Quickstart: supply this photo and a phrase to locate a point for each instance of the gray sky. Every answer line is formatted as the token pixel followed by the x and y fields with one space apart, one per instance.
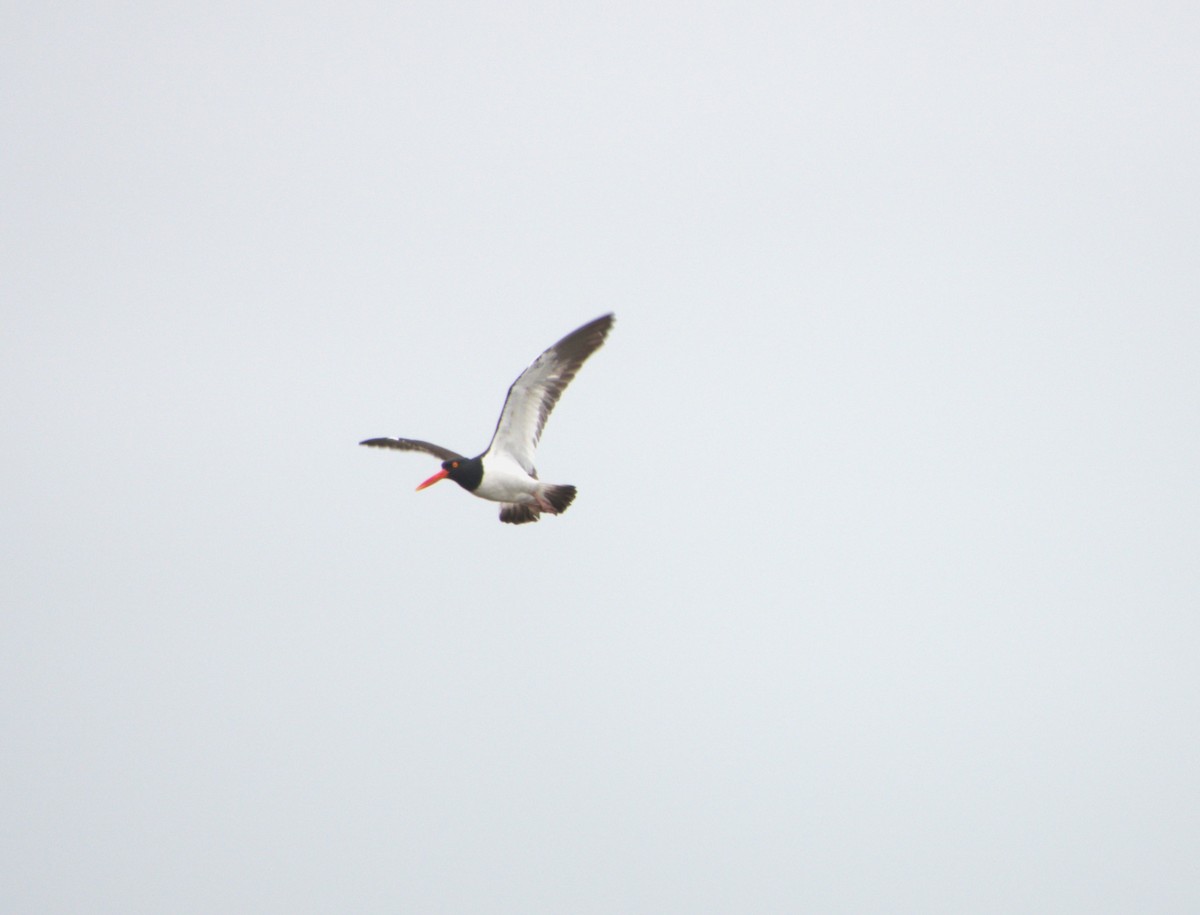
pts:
pixel 880 593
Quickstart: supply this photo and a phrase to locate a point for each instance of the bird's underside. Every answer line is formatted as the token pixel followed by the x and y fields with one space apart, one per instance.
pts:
pixel 553 500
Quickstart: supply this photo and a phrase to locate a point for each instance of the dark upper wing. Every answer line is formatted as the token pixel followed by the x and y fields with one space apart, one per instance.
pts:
pixel 534 394
pixel 411 444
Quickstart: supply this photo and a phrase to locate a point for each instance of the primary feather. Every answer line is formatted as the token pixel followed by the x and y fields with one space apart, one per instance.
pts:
pixel 412 444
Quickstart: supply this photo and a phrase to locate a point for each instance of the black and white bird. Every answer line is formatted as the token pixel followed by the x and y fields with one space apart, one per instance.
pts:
pixel 505 473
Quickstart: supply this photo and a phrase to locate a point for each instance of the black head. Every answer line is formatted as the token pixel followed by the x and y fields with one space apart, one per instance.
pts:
pixel 466 472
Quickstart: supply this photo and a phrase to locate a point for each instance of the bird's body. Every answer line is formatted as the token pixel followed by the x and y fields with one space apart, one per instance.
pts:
pixel 505 481
pixel 505 473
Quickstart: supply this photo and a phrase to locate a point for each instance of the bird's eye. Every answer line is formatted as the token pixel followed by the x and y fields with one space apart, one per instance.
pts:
pixel 454 464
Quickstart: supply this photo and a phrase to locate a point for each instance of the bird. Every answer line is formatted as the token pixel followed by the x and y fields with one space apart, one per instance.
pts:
pixel 504 472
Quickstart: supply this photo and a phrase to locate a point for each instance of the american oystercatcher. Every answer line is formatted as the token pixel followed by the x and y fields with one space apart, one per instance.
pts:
pixel 505 473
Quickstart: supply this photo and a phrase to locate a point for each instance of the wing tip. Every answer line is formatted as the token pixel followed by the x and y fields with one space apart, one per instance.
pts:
pixel 580 343
pixel 604 323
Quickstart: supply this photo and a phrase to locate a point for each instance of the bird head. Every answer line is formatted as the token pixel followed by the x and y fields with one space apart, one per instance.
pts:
pixel 466 472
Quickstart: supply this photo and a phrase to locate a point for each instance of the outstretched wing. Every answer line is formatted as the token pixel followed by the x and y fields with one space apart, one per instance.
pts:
pixel 534 394
pixel 411 444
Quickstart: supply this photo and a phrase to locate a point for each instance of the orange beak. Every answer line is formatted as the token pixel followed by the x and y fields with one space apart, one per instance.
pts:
pixel 440 475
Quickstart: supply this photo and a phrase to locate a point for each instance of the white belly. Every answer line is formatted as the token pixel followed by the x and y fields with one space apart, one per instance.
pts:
pixel 506 481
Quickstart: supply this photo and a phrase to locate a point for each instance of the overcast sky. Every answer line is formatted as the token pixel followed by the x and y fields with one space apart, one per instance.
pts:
pixel 881 590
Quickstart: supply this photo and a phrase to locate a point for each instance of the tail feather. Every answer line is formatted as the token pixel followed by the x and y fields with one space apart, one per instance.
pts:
pixel 551 498
pixel 560 497
pixel 512 513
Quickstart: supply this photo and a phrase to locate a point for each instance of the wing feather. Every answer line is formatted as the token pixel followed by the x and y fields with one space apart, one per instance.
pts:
pixel 533 395
pixel 412 444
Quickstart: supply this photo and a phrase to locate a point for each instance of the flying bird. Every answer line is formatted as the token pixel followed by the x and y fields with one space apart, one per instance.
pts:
pixel 505 473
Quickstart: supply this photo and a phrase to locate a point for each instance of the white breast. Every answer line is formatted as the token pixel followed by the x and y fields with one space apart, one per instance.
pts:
pixel 504 480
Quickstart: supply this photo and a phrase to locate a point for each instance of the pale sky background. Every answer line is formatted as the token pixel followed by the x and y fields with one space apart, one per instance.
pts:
pixel 881 592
